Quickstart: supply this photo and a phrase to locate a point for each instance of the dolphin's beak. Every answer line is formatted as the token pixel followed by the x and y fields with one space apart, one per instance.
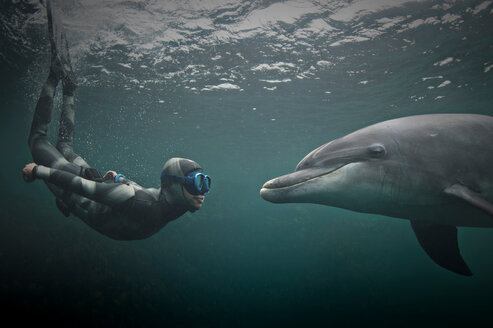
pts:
pixel 280 190
pixel 294 178
pixel 320 162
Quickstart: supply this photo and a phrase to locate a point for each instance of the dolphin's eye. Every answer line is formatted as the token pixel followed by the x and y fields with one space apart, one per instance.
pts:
pixel 376 150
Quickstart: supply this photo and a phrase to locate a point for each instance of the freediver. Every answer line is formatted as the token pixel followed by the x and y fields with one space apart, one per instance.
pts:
pixel 111 204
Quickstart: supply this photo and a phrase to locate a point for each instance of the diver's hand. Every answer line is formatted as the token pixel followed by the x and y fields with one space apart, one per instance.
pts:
pixel 27 172
pixel 110 175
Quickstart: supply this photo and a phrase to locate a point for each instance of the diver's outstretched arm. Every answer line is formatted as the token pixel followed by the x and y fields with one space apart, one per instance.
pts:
pixel 109 194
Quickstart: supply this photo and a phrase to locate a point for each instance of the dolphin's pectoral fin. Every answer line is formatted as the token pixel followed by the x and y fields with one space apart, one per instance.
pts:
pixel 440 243
pixel 470 196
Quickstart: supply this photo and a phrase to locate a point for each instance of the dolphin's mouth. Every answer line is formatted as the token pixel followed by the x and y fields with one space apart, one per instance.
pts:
pixel 299 177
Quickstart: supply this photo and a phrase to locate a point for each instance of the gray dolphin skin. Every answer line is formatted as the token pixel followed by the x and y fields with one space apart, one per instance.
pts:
pixel 434 170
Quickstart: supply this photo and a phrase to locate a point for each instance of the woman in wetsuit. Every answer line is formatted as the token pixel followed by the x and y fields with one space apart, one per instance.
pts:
pixel 113 205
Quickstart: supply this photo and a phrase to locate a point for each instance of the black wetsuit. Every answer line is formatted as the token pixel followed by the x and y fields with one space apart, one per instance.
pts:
pixel 120 210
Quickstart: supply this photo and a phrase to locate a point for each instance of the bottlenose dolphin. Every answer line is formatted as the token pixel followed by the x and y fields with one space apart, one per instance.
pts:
pixel 434 170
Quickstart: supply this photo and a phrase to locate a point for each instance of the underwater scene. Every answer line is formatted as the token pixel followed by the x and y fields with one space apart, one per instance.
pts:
pixel 246 89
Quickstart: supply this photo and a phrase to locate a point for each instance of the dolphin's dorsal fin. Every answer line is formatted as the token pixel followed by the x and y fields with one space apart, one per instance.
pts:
pixel 470 196
pixel 440 243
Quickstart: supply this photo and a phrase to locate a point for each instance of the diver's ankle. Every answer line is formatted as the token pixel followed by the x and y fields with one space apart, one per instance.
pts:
pixel 69 85
pixel 53 78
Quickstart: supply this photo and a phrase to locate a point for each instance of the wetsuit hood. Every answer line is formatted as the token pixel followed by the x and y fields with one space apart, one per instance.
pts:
pixel 173 191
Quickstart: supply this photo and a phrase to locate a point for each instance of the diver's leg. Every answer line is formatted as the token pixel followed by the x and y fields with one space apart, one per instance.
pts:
pixel 42 113
pixel 67 117
pixel 41 149
pixel 66 132
pixel 44 107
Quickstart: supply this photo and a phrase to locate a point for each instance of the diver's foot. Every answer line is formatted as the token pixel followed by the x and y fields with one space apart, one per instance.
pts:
pixel 69 80
pixel 56 68
pixel 69 85
pixel 61 66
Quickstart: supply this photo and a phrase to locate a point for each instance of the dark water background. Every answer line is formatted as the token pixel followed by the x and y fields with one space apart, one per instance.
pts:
pixel 246 90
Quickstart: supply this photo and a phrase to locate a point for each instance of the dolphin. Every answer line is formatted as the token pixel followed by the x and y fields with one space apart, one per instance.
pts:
pixel 434 170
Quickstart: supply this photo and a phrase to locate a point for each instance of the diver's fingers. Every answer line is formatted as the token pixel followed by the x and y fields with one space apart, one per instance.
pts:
pixel 109 175
pixel 27 172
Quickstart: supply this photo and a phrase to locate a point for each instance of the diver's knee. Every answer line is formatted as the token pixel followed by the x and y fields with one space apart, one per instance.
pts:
pixel 66 150
pixel 63 148
pixel 35 140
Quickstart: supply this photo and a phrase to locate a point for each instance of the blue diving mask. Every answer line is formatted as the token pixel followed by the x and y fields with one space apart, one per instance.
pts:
pixel 196 182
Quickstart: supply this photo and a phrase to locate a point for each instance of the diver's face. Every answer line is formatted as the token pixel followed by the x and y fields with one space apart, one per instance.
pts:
pixel 194 201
